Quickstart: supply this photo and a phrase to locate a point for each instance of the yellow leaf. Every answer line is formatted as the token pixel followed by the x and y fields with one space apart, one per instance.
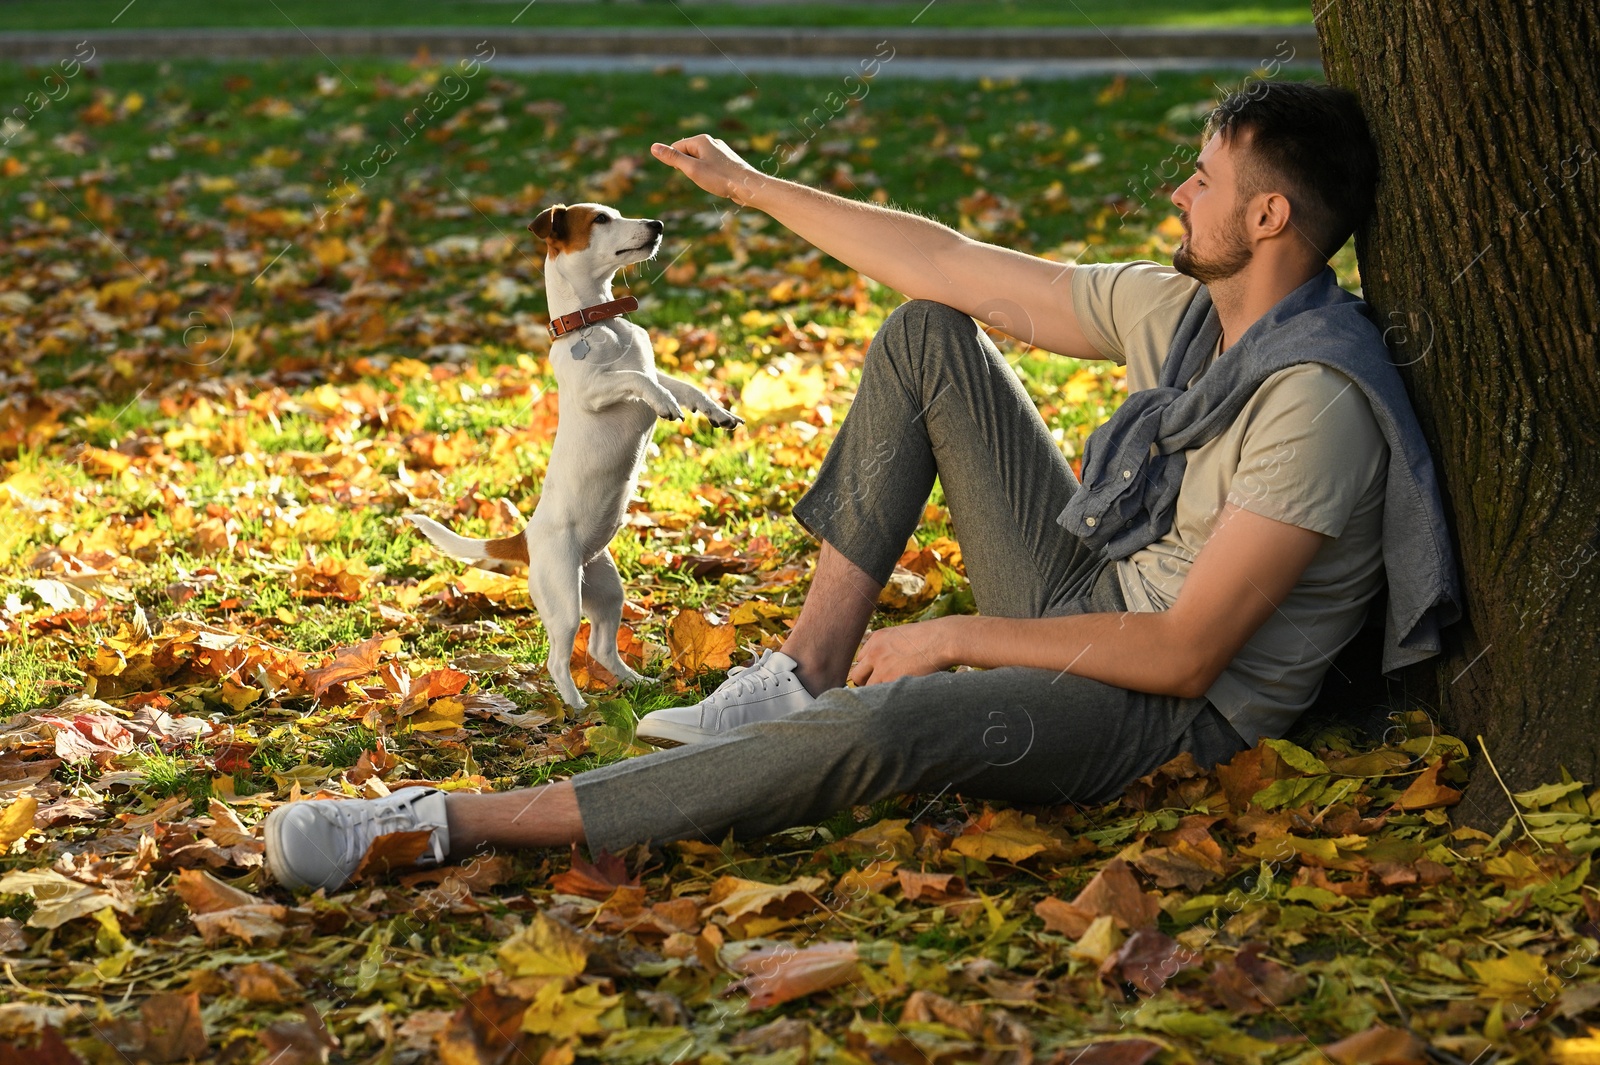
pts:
pixel 543 948
pixel 440 715
pixel 771 393
pixel 1517 977
pixel 1008 835
pixel 737 897
pixel 17 820
pixel 697 644
pixel 555 1013
pixel 1584 1051
pixel 1099 941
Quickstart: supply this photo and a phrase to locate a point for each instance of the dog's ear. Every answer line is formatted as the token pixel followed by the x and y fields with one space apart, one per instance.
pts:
pixel 551 225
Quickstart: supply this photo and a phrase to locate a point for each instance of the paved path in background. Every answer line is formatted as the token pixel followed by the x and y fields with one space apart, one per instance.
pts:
pixel 994 52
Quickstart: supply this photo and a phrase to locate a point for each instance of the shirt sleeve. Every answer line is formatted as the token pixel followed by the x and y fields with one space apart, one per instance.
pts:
pixel 1311 450
pixel 1130 309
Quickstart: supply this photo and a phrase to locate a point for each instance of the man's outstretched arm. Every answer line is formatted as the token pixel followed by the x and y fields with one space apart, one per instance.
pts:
pixel 1023 295
pixel 1245 570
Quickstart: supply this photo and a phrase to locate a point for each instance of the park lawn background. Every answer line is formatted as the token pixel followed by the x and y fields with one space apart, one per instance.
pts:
pixel 252 313
pixel 155 14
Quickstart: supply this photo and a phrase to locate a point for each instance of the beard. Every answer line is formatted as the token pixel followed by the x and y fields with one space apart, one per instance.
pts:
pixel 1232 254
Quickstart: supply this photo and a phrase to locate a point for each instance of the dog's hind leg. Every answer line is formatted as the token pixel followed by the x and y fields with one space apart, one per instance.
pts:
pixel 555 583
pixel 602 602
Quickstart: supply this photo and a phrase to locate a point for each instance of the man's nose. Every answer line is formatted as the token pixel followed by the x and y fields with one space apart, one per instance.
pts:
pixel 655 226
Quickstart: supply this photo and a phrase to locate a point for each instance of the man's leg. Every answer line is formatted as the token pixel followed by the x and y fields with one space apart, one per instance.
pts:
pixel 936 399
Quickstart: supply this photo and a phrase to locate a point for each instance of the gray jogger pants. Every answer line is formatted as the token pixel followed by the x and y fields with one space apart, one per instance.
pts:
pixel 936 399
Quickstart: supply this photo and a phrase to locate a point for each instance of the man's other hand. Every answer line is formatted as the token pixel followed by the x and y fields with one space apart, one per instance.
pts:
pixel 912 650
pixel 713 166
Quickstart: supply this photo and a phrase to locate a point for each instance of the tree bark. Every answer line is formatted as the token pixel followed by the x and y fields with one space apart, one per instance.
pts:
pixel 1482 260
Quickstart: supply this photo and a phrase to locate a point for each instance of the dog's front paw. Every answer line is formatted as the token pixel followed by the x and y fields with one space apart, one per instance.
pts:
pixel 723 418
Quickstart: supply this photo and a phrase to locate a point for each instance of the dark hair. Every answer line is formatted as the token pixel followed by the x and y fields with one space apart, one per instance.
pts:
pixel 1312 142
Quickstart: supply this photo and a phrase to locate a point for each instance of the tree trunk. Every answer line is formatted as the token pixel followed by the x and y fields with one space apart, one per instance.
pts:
pixel 1482 260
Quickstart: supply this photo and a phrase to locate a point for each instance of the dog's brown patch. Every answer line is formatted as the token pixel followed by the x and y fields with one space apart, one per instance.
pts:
pixel 564 229
pixel 508 549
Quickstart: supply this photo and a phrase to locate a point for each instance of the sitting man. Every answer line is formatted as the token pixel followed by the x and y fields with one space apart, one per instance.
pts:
pixel 1237 515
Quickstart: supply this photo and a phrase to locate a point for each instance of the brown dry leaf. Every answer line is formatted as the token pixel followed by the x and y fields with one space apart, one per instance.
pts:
pixel 1061 916
pixel 1113 892
pixel 260 924
pixel 264 981
pixel 486 1030
pixel 784 973
pixel 1248 983
pixel 304 1042
pixel 933 887
pixel 593 881
pixel 696 644
pixel 171 1027
pixel 204 893
pixel 1148 960
pixel 924 1007
pixel 1378 1046
pixel 352 663
pixel 1426 793
pixel 393 851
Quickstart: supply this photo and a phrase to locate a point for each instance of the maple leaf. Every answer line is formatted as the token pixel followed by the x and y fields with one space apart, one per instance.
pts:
pixel 1426 793
pixel 352 663
pixel 1009 835
pixel 696 644
pixel 737 897
pixel 598 880
pixel 544 948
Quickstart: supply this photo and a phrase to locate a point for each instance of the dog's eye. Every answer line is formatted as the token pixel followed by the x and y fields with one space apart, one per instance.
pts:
pixel 599 218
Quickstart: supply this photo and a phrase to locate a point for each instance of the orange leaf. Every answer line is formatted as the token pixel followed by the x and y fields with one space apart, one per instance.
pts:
pixel 204 893
pixel 351 663
pixel 393 850
pixel 935 887
pixel 596 881
pixel 697 644
pixel 1426 793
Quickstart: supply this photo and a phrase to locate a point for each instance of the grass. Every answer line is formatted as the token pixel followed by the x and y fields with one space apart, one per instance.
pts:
pixel 953 14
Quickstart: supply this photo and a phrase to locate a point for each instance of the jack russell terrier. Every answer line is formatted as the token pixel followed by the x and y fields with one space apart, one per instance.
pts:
pixel 611 396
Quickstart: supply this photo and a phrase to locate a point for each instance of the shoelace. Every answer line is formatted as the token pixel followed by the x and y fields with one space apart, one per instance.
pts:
pixel 749 678
pixel 380 823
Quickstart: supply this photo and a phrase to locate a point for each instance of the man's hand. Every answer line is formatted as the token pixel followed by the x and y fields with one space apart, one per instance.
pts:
pixel 912 650
pixel 713 166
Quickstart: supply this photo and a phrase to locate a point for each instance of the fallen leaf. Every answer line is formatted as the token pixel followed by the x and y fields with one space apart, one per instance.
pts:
pixel 1426 793
pixel 784 973
pixel 1378 1046
pixel 17 820
pixel 696 644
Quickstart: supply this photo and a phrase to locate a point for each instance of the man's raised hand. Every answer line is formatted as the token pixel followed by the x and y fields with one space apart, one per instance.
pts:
pixel 712 165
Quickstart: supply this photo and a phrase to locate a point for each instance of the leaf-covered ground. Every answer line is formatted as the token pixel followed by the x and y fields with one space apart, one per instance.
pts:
pixel 247 321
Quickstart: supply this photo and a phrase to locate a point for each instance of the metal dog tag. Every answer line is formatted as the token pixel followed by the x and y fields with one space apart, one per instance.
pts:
pixel 580 348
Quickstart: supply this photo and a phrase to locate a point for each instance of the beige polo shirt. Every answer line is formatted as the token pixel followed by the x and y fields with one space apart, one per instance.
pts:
pixel 1306 450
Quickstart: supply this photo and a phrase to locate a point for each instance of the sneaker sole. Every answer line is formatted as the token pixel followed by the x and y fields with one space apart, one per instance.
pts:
pixel 665 734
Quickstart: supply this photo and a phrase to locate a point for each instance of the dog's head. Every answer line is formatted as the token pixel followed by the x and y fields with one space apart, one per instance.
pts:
pixel 596 236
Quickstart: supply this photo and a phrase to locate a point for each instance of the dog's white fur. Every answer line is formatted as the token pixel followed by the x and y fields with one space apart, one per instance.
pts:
pixel 610 400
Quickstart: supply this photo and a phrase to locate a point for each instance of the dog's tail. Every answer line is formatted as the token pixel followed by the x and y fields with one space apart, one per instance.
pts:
pixel 506 549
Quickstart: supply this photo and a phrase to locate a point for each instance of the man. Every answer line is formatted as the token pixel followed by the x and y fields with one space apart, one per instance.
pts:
pixel 1236 519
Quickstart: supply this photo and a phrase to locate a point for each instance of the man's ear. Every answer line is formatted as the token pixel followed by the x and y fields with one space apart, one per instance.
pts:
pixel 551 225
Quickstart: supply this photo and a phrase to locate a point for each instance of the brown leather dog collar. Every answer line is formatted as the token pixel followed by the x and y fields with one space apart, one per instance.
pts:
pixel 589 315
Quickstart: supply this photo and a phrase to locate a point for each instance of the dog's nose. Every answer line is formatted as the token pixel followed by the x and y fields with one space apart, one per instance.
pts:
pixel 655 226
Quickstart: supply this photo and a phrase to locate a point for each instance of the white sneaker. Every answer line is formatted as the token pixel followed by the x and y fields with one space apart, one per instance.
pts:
pixel 319 843
pixel 765 690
